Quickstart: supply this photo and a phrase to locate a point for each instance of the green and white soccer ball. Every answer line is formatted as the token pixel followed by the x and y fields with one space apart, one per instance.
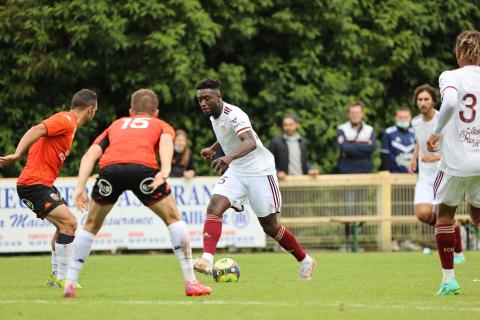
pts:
pixel 226 270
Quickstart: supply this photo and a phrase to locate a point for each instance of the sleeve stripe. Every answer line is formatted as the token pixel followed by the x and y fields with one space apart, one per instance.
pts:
pixel 448 87
pixel 46 128
pixel 243 129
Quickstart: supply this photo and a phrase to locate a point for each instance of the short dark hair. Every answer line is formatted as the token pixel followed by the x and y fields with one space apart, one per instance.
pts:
pixel 144 100
pixel 84 98
pixel 291 116
pixel 403 109
pixel 208 84
pixel 428 88
pixel 354 104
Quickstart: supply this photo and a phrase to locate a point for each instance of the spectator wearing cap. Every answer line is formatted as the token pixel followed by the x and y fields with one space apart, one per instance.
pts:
pixel 290 150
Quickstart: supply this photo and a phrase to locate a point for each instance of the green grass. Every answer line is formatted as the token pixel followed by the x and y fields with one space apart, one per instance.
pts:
pixel 345 286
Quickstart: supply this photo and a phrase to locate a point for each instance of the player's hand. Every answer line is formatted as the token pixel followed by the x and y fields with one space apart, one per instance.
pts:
pixel 8 160
pixel 313 173
pixel 430 157
pixel 432 142
pixel 412 166
pixel 80 199
pixel 221 164
pixel 207 153
pixel 281 174
pixel 158 180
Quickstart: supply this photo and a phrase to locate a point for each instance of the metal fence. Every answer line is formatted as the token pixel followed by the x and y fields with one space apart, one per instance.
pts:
pixel 329 210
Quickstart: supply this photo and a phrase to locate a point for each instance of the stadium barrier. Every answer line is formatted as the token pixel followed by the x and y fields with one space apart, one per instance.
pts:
pixel 367 210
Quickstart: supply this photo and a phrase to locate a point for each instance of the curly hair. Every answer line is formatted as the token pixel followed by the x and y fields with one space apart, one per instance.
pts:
pixel 208 84
pixel 468 46
pixel 426 88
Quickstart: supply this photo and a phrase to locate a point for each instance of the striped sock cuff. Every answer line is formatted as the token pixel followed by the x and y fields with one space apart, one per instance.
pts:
pixel 444 228
pixel 213 217
pixel 280 233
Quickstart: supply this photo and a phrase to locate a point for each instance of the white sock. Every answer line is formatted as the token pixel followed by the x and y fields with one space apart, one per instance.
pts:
pixel 63 254
pixel 82 247
pixel 208 256
pixel 448 275
pixel 182 249
pixel 54 263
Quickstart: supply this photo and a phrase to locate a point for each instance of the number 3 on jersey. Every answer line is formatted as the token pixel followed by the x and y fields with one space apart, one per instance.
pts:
pixel 135 123
pixel 470 101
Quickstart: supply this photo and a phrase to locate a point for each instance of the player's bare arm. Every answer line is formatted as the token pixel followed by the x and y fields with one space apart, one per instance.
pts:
pixel 209 152
pixel 430 157
pixel 30 137
pixel 247 145
pixel 166 155
pixel 87 163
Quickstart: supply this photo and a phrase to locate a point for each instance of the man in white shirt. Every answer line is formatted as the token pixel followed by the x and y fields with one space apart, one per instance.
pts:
pixel 458 131
pixel 426 98
pixel 248 173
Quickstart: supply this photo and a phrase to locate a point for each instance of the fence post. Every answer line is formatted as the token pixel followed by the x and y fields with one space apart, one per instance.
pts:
pixel 384 205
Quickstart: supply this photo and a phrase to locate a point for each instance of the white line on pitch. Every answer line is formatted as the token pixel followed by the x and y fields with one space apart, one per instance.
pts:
pixel 258 303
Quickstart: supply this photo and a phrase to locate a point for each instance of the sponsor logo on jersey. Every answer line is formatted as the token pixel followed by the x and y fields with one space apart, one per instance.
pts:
pixel 29 204
pixel 47 205
pixel 145 185
pixel 104 187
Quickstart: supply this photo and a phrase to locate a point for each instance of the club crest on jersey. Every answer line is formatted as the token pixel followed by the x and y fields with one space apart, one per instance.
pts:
pixel 224 129
pixel 54 196
pixel 145 186
pixel 104 187
pixel 29 204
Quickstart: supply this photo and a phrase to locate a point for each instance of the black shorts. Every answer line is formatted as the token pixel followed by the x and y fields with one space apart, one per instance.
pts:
pixel 114 179
pixel 40 198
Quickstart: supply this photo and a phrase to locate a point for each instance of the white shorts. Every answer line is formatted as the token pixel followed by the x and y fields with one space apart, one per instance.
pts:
pixel 451 190
pixel 262 192
pixel 423 192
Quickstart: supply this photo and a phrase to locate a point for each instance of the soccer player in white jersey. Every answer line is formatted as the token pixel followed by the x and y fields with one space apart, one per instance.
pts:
pixel 248 172
pixel 426 98
pixel 457 133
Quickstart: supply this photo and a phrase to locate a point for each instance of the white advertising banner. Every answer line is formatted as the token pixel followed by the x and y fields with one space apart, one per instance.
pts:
pixel 129 225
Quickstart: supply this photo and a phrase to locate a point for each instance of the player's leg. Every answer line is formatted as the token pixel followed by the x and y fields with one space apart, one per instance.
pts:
pixel 52 278
pixel 83 244
pixel 66 224
pixel 449 192
pixel 228 191
pixel 266 201
pixel 167 210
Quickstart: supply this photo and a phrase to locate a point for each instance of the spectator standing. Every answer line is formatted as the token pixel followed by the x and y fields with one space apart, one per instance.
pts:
pixel 356 141
pixel 290 150
pixel 398 143
pixel 183 164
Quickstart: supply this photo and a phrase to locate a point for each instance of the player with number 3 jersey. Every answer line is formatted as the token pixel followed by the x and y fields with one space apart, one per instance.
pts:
pixel 458 133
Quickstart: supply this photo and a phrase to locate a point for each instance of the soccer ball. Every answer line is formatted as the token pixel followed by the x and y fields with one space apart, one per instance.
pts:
pixel 226 270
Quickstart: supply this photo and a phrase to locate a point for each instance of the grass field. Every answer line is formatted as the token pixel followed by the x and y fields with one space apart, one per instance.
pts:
pixel 345 286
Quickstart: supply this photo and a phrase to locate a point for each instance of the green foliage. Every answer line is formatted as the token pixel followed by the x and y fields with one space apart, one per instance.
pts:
pixel 306 57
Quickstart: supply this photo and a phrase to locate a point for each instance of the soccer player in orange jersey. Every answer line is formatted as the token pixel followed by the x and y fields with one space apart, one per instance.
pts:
pixel 48 144
pixel 127 152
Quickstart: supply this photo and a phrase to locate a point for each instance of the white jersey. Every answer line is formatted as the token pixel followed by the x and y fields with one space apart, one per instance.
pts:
pixel 423 130
pixel 460 141
pixel 232 122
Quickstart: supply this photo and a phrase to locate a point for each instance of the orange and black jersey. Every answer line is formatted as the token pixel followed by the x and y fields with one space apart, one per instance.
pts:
pixel 133 140
pixel 45 157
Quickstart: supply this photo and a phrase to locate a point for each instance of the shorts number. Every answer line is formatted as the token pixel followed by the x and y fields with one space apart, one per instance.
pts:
pixel 222 180
pixel 135 123
pixel 471 106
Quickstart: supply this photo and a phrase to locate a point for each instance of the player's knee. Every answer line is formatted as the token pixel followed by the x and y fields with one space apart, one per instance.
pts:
pixel 423 216
pixel 214 209
pixel 69 226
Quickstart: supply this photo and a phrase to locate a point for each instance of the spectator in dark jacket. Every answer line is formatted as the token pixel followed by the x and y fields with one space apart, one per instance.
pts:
pixel 290 150
pixel 182 162
pixel 356 141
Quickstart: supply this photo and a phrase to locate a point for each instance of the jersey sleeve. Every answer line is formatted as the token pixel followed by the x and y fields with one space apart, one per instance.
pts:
pixel 447 80
pixel 240 122
pixel 59 124
pixel 167 128
pixel 102 140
